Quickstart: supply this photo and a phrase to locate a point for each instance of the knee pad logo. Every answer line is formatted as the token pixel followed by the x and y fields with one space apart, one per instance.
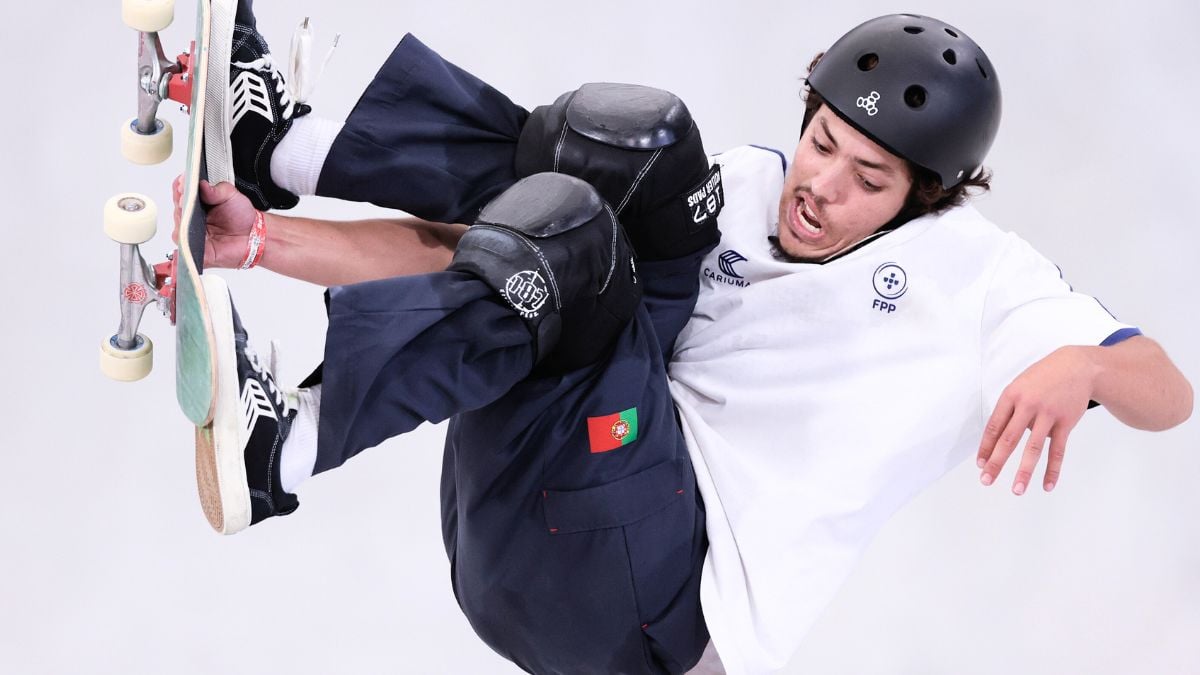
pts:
pixel 526 292
pixel 705 200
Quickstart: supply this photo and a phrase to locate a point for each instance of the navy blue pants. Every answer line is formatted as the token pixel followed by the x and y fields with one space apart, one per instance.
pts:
pixel 566 557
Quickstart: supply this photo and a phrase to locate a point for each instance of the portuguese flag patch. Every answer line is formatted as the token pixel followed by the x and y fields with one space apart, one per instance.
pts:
pixel 612 431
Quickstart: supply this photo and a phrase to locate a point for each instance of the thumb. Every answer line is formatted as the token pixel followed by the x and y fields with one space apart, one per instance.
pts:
pixel 215 195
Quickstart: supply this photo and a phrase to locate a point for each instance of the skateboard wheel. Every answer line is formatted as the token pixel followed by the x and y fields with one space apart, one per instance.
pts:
pixel 152 148
pixel 148 16
pixel 130 218
pixel 126 365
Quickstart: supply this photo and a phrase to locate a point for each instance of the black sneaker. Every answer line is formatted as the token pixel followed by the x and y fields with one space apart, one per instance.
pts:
pixel 237 462
pixel 261 109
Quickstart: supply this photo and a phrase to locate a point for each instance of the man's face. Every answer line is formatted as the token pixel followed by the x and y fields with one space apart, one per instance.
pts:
pixel 840 188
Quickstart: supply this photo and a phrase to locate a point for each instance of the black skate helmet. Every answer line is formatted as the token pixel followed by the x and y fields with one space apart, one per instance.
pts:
pixel 918 87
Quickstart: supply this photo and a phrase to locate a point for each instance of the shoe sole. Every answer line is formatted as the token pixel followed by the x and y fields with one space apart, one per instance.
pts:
pixel 218 147
pixel 220 447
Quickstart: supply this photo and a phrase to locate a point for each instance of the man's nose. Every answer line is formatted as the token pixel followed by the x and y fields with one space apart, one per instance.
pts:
pixel 826 185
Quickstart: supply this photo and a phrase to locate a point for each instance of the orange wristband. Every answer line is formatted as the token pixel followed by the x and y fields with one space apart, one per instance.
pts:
pixel 256 243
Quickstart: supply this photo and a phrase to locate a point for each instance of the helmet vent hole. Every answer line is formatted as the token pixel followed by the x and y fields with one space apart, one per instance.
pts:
pixel 915 97
pixel 981 70
pixel 914 30
pixel 951 33
pixel 950 56
pixel 867 62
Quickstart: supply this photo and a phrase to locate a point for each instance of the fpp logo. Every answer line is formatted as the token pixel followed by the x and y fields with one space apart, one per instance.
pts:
pixel 891 282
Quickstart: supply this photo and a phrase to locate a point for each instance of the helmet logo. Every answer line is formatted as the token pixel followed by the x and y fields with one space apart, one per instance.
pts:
pixel 868 103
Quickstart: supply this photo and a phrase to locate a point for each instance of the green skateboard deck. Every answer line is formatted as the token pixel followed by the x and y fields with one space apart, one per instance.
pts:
pixel 195 369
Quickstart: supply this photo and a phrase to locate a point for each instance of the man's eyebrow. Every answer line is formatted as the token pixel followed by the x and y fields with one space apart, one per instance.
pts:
pixel 858 160
pixel 872 165
pixel 825 126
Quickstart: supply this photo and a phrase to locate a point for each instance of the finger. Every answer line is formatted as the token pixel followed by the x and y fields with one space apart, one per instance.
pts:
pixel 993 429
pixel 1033 452
pixel 1020 421
pixel 215 195
pixel 1058 450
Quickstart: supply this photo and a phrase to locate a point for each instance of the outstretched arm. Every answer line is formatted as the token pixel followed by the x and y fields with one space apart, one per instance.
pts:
pixel 1139 384
pixel 322 252
pixel 1134 379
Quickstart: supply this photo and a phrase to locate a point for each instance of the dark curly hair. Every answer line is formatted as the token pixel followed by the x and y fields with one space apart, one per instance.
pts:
pixel 927 194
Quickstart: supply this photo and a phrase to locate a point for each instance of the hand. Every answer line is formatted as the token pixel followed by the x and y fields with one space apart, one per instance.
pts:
pixel 228 225
pixel 1048 399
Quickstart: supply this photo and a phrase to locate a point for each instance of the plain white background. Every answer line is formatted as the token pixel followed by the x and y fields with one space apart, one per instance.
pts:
pixel 107 565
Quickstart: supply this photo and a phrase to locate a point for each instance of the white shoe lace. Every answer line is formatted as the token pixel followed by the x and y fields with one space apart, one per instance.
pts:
pixel 303 81
pixel 265 376
pixel 266 64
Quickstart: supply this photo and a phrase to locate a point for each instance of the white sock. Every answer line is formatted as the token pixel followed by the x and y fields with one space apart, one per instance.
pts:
pixel 297 161
pixel 299 453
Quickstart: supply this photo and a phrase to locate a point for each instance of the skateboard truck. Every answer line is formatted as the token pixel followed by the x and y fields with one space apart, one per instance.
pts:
pixel 146 139
pixel 160 79
pixel 130 220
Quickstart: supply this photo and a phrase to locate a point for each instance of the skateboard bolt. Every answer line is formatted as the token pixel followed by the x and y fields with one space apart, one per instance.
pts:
pixel 131 204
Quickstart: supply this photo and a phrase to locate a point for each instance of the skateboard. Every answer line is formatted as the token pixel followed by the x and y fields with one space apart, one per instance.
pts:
pixel 176 286
pixel 179 287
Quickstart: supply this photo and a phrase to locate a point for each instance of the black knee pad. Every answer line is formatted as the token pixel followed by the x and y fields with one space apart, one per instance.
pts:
pixel 639 147
pixel 554 251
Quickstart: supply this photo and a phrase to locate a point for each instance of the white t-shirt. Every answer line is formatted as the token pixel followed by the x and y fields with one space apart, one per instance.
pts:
pixel 818 399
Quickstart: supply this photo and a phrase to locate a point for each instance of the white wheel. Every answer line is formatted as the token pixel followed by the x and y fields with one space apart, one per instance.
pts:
pixel 152 148
pixel 148 16
pixel 126 365
pixel 130 218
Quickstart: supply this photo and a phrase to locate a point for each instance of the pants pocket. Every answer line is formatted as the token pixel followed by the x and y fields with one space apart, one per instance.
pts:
pixel 622 502
pixel 662 529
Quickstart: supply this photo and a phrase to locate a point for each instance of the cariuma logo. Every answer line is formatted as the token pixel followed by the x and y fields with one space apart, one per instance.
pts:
pixel 728 274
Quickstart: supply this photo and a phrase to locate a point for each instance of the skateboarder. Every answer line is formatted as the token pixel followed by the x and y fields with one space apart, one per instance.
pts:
pixel 782 359
pixel 570 512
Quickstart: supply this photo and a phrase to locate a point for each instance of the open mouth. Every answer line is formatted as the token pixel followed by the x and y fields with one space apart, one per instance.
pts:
pixel 804 223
